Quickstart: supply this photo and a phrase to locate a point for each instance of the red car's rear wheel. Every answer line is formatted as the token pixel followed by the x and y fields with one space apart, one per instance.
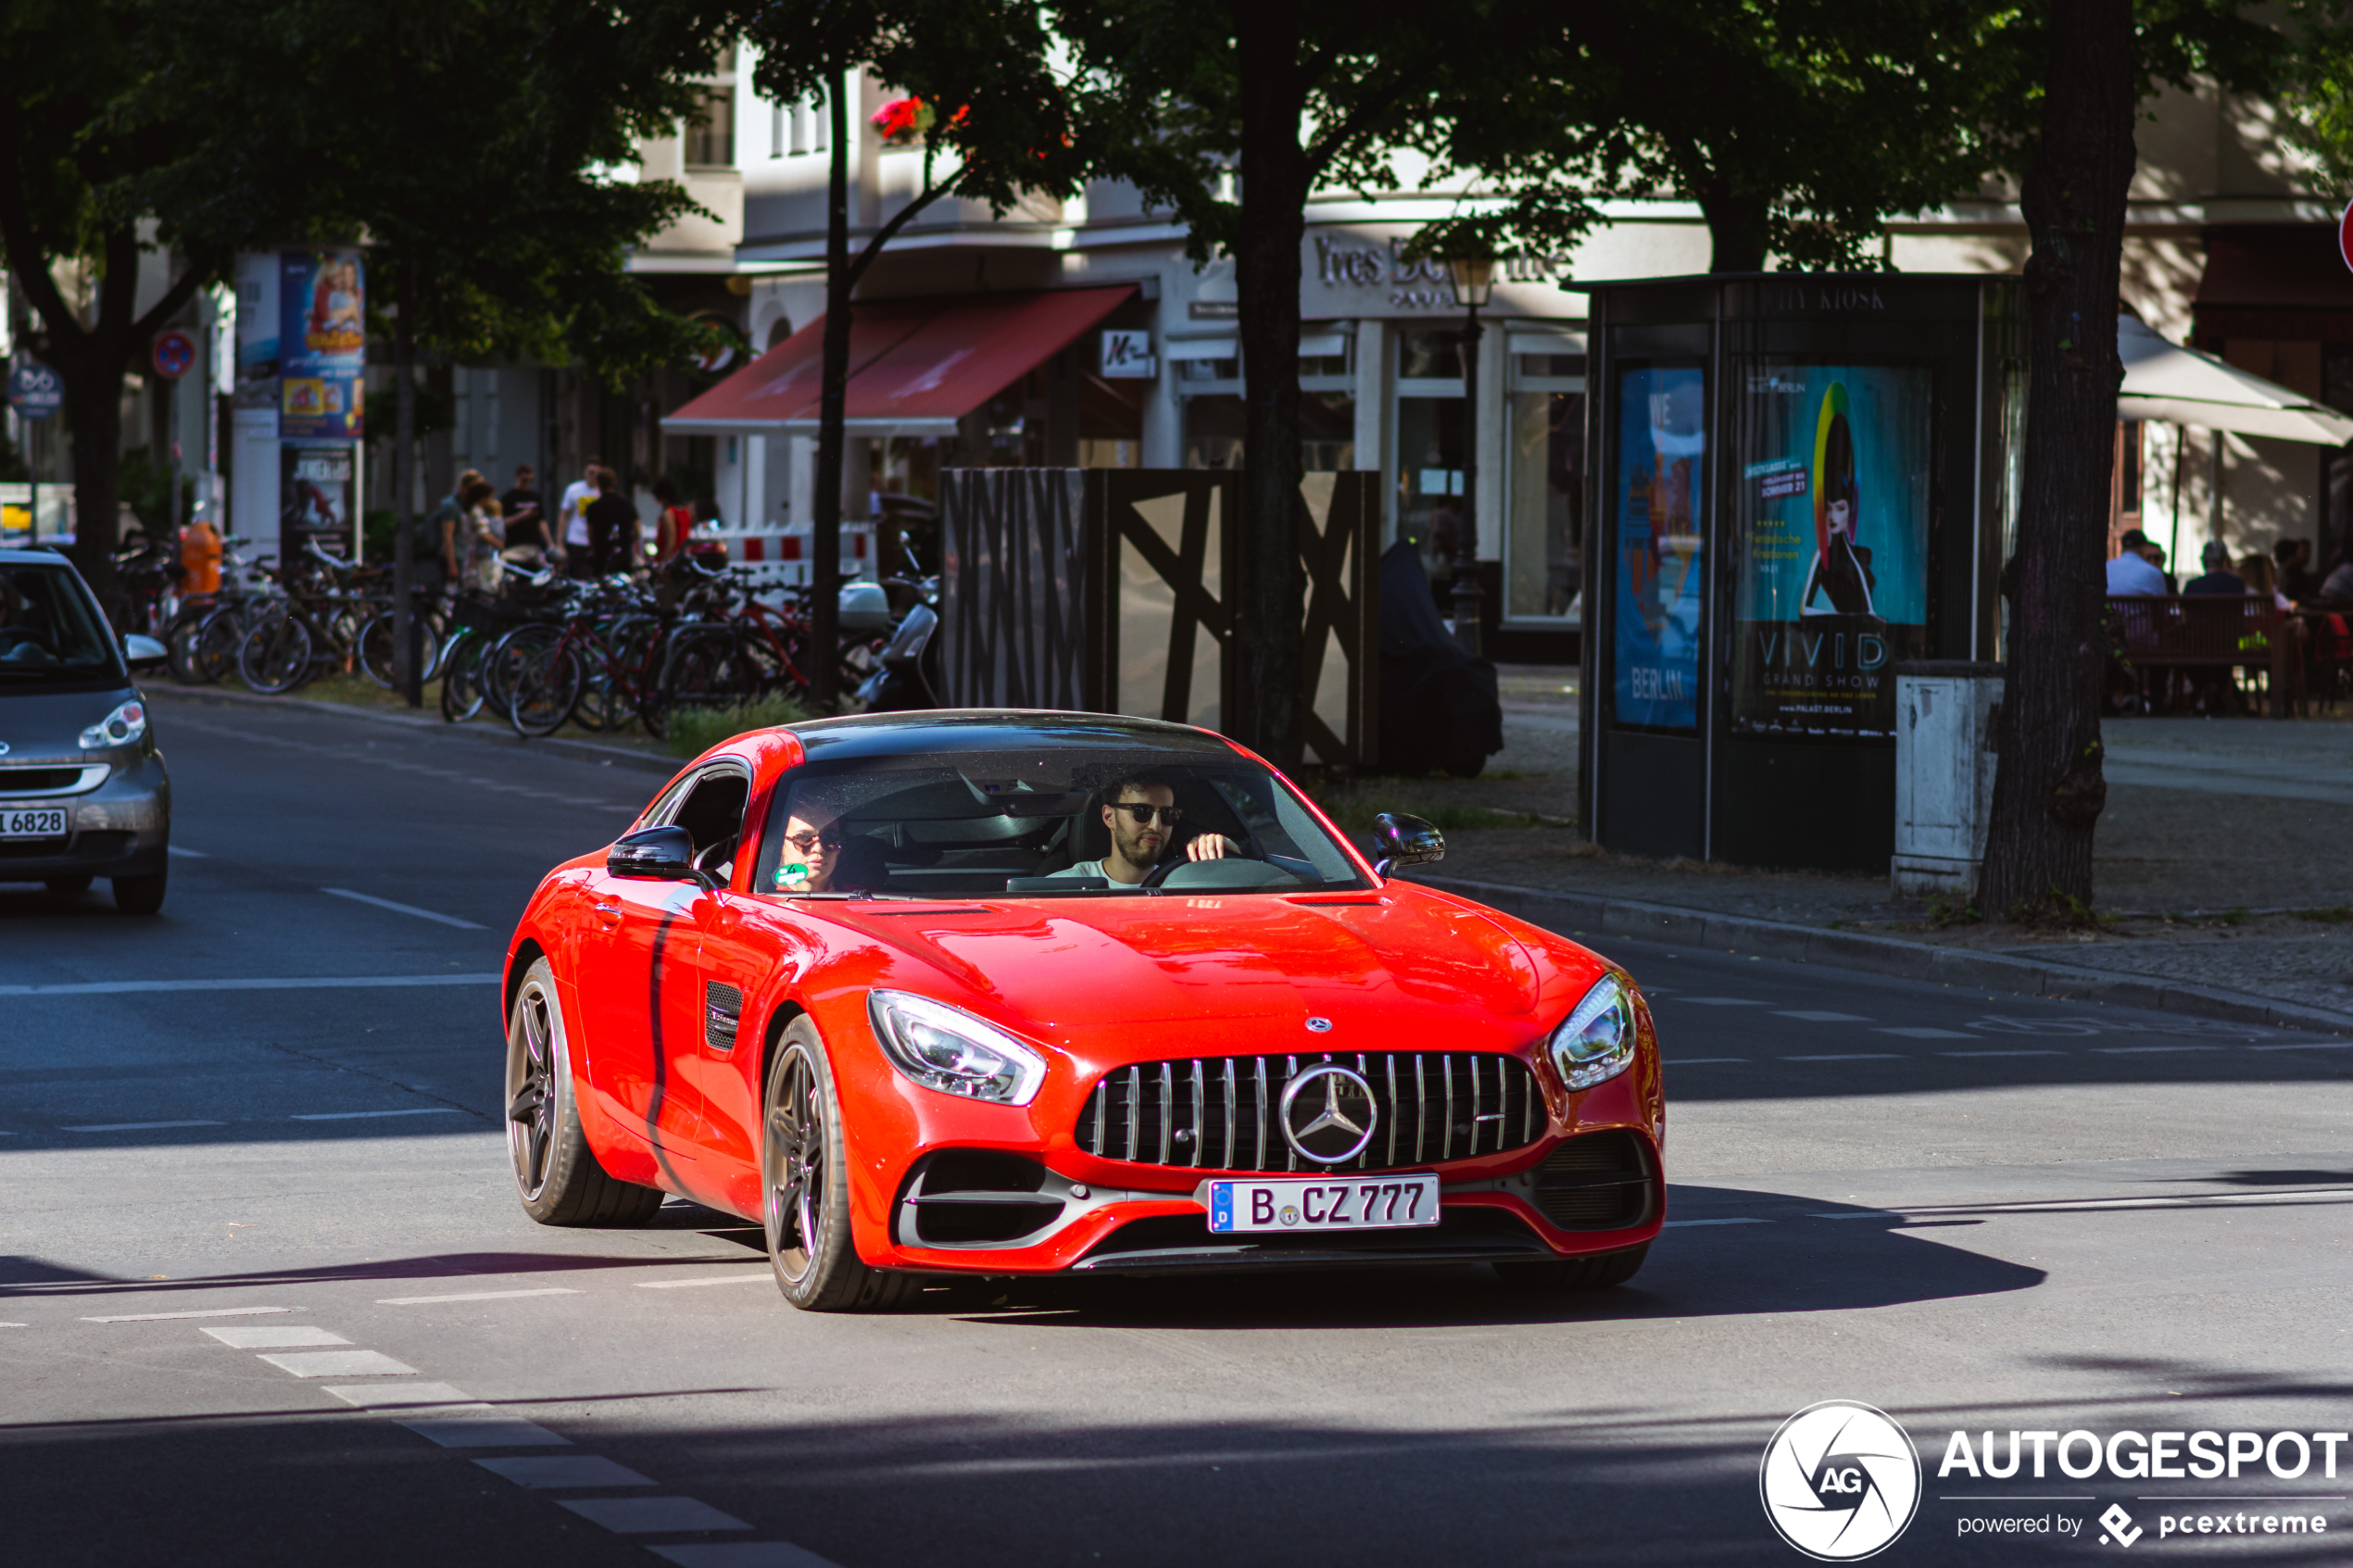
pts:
pixel 804 1187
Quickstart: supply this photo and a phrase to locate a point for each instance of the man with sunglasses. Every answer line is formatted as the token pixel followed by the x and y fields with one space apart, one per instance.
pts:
pixel 1143 816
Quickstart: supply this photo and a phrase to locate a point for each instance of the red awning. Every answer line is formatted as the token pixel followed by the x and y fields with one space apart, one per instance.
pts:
pixel 917 366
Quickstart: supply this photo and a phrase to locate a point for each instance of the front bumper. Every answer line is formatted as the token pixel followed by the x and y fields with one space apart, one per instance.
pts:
pixel 121 828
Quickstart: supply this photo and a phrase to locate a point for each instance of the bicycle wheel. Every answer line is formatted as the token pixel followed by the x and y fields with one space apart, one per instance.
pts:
pixel 462 694
pixel 495 672
pixel 274 658
pixel 547 688
pixel 376 650
pixel 180 641
pixel 217 642
pixel 707 669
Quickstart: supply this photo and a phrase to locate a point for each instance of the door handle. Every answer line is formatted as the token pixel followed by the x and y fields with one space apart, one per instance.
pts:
pixel 607 915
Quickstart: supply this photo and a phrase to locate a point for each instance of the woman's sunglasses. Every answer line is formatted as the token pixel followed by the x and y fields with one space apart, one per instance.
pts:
pixel 1142 815
pixel 805 842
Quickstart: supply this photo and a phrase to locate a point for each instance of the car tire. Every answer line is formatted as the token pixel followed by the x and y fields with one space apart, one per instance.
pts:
pixel 1599 1273
pixel 557 1175
pixel 140 895
pixel 804 1187
pixel 69 886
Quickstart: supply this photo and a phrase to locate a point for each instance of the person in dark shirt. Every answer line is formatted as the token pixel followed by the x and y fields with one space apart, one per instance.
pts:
pixel 2293 560
pixel 526 524
pixel 2219 578
pixel 613 526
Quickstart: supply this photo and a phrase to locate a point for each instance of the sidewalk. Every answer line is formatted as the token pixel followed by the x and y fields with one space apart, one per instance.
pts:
pixel 2224 872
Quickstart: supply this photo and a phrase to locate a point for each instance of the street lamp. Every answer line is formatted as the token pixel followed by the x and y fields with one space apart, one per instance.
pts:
pixel 1474 281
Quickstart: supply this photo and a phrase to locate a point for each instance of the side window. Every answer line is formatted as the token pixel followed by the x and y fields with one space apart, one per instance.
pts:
pixel 712 811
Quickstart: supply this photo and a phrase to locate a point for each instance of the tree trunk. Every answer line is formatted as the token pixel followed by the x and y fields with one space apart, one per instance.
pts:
pixel 404 673
pixel 94 403
pixel 1736 230
pixel 825 518
pixel 2048 790
pixel 1275 178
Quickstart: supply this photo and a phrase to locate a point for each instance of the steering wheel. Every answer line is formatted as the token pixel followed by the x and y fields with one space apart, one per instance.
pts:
pixel 1159 874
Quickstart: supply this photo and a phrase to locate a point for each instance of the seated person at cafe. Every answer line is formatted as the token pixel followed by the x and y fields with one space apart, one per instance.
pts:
pixel 2219 578
pixel 2338 588
pixel 2132 571
pixel 1142 815
pixel 2293 559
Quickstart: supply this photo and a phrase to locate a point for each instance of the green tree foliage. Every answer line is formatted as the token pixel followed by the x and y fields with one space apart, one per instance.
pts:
pixel 2318 94
pixel 996 122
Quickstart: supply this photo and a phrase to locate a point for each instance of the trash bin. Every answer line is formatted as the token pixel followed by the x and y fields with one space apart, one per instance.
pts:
pixel 1944 774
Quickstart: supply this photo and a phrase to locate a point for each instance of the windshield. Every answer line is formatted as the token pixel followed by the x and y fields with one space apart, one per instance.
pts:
pixel 47 625
pixel 1040 824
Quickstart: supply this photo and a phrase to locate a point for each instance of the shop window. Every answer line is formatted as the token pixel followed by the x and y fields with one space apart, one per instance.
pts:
pixel 1209 370
pixel 1213 432
pixel 1539 366
pixel 1429 481
pixel 1544 526
pixel 1430 354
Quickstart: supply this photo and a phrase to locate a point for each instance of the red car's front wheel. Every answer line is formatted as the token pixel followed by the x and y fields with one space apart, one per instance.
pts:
pixel 804 1187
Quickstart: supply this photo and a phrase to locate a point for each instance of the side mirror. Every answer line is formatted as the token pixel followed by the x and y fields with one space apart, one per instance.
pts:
pixel 144 653
pixel 1401 840
pixel 656 855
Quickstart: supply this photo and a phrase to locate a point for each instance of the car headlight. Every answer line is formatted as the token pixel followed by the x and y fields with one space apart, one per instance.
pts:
pixel 1596 1040
pixel 948 1049
pixel 121 727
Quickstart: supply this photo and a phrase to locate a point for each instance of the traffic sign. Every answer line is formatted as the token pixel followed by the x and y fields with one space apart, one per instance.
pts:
pixel 35 391
pixel 174 354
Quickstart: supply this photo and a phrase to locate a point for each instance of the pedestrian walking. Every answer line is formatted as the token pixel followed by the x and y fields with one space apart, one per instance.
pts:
pixel 572 522
pixel 612 524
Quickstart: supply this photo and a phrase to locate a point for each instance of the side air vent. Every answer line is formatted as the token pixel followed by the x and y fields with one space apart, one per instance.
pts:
pixel 722 1009
pixel 1599 1182
pixel 975 1198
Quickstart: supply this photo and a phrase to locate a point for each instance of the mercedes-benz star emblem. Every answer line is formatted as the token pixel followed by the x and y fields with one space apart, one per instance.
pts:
pixel 1314 1025
pixel 1328 1115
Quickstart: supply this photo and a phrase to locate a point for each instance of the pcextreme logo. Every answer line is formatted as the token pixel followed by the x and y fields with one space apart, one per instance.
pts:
pixel 1840 1481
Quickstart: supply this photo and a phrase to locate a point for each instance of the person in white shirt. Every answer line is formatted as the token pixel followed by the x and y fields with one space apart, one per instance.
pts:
pixel 1143 817
pixel 2132 571
pixel 571 519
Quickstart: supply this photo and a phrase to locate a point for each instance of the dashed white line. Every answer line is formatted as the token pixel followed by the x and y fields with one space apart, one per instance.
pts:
pixel 1825 1017
pixel 340 1363
pixel 2001 1053
pixel 191 853
pixel 479 1426
pixel 651 1516
pixel 360 1115
pixel 1701 1061
pixel 1917 1033
pixel 403 908
pixel 2149 1050
pixel 1671 1223
pixel 135 1126
pixel 403 1396
pixel 198 1312
pixel 473 1296
pixel 278 1336
pixel 334 983
pixel 541 1473
pixel 740 1554
pixel 2311 1045
pixel 1848 1056
pixel 1721 1001
pixel 690 1284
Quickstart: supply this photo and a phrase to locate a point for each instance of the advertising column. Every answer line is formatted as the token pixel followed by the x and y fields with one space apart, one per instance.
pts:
pixel 322 362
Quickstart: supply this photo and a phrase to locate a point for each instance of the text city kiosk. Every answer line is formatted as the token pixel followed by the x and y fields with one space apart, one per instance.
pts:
pixel 1805 479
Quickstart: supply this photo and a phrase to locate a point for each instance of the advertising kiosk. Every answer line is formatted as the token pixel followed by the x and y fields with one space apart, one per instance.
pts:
pixel 1802 480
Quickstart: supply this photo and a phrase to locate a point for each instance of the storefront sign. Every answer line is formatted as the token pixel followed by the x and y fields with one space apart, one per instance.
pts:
pixel 1128 354
pixel 1833 547
pixel 1348 273
pixel 1661 524
pixel 323 345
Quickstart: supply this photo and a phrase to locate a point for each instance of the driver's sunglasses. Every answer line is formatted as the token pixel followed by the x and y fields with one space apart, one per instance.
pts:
pixel 805 842
pixel 1142 815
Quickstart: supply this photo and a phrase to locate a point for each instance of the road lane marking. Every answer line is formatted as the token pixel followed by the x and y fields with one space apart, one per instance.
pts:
pixel 651 1516
pixel 481 1427
pixel 357 1115
pixel 1917 1033
pixel 2001 1053
pixel 403 908
pixel 1739 1221
pixel 192 854
pixel 1849 1055
pixel 402 1396
pixel 690 1284
pixel 741 1554
pixel 340 1363
pixel 471 1296
pixel 321 982
pixel 199 1312
pixel 1701 1060
pixel 1720 1001
pixel 2148 1050
pixel 1825 1017
pixel 276 1337
pixel 136 1126
pixel 541 1473
pixel 2314 1045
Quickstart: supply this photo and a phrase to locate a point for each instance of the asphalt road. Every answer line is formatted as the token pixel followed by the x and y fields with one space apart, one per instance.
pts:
pixel 1975 1213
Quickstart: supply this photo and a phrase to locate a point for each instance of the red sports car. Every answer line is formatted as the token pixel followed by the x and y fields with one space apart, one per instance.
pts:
pixel 1033 993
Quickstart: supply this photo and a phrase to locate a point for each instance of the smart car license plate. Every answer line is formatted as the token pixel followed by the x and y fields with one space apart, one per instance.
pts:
pixel 1369 1203
pixel 32 822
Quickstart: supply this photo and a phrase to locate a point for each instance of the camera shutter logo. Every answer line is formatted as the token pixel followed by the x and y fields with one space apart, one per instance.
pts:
pixel 1840 1481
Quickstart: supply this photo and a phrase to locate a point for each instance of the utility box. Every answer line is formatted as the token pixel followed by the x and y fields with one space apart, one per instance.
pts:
pixel 1943 775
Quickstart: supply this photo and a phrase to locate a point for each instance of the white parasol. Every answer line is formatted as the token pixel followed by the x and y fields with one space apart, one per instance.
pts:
pixel 2164 380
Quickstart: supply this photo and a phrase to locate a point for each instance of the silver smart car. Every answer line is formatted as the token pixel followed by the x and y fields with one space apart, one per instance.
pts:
pixel 83 793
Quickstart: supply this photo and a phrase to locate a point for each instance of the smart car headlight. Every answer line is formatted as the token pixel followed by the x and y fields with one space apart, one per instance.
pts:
pixel 121 727
pixel 1596 1040
pixel 948 1049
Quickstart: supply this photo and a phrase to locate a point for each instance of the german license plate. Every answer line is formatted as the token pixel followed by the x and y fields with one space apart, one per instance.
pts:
pixel 32 822
pixel 1367 1203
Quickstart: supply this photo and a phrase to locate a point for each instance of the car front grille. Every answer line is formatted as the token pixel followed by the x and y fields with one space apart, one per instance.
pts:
pixel 1221 1113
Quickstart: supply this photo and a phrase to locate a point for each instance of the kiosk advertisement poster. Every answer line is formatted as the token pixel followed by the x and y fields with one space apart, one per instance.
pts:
pixel 322 346
pixel 1661 495
pixel 317 497
pixel 1833 520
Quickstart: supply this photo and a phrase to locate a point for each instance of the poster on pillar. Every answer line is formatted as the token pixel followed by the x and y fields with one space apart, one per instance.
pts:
pixel 317 494
pixel 1832 524
pixel 322 346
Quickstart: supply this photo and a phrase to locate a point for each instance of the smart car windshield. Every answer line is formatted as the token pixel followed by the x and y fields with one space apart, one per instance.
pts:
pixel 1045 823
pixel 48 626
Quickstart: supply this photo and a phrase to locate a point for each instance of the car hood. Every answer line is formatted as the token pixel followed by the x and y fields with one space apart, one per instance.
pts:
pixel 1070 968
pixel 45 724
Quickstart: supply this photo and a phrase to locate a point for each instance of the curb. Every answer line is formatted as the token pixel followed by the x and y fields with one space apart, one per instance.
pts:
pixel 576 750
pixel 1886 955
